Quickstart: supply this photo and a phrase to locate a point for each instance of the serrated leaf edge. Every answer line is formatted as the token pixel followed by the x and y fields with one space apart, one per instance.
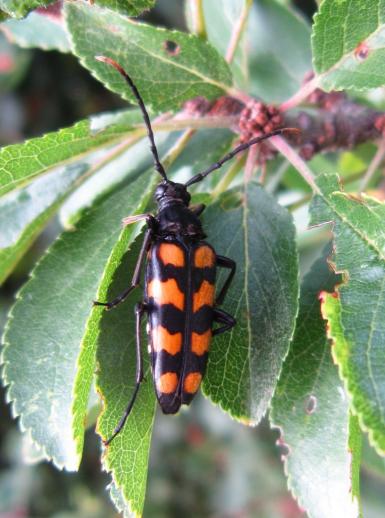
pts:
pixel 342 371
pixel 9 384
pixel 330 85
pixel 127 95
pixel 14 184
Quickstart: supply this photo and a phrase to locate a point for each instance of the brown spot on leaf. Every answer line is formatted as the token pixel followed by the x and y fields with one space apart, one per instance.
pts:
pixel 171 47
pixel 310 404
pixel 361 51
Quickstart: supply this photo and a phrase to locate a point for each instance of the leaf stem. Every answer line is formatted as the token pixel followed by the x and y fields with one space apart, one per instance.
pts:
pixel 250 163
pixel 238 31
pixel 176 124
pixel 293 157
pixel 301 95
pixel 198 19
pixel 373 166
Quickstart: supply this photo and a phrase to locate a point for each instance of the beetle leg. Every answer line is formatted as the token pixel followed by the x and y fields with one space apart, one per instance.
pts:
pixel 224 318
pixel 140 310
pixel 225 262
pixel 135 278
pixel 134 219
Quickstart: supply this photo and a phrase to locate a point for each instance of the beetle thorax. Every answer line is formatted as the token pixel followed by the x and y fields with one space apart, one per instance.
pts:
pixel 174 216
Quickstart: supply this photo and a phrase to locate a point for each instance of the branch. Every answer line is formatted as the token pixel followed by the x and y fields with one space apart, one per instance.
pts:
pixel 198 19
pixel 300 96
pixel 293 157
pixel 373 166
pixel 238 31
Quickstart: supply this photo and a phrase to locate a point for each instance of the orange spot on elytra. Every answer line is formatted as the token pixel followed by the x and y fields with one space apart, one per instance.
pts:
pixel 167 383
pixel 166 292
pixel 204 296
pixel 171 254
pixel 204 257
pixel 200 343
pixel 192 382
pixel 162 339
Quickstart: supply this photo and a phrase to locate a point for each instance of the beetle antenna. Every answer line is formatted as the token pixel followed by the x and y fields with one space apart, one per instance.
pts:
pixel 158 166
pixel 198 177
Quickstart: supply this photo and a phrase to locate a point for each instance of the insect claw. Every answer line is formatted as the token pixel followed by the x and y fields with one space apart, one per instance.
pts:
pixel 107 305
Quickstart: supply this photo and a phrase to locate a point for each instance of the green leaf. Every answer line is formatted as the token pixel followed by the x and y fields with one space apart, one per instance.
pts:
pixel 164 78
pixel 358 227
pixel 49 363
pixel 19 8
pixel 25 212
pixel 320 438
pixel 128 7
pixel 279 48
pixel 20 163
pixel 113 172
pixel 348 44
pixel 127 455
pixel 247 225
pixel 38 30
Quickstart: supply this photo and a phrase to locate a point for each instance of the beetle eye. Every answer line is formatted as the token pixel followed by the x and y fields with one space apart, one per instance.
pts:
pixel 160 191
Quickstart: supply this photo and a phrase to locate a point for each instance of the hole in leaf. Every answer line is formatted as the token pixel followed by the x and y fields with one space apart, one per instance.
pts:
pixel 361 52
pixel 171 47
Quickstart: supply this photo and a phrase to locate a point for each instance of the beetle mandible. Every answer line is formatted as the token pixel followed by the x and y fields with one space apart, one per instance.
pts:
pixel 179 293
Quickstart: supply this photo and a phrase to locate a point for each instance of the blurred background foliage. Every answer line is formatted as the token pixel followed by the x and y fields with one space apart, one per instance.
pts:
pixel 202 463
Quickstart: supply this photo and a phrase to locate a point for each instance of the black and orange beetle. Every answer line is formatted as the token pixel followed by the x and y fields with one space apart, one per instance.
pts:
pixel 179 293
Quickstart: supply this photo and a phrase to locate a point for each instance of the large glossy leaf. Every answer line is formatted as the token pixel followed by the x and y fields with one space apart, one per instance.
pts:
pixel 20 163
pixel 358 227
pixel 127 455
pixel 280 54
pixel 348 44
pixel 47 371
pixel 128 7
pixel 321 440
pixel 38 30
pixel 25 212
pixel 19 8
pixel 247 225
pixel 168 67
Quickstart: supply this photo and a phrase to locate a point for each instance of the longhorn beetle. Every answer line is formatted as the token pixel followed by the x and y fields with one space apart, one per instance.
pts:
pixel 179 293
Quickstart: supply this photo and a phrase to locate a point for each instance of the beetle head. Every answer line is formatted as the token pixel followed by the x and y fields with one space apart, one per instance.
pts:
pixel 169 192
